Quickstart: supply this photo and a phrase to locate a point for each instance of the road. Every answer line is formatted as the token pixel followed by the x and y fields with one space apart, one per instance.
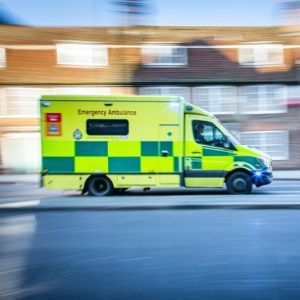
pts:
pixel 25 195
pixel 140 253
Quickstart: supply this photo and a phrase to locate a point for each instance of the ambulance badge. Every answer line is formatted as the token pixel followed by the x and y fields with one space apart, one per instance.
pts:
pixel 77 135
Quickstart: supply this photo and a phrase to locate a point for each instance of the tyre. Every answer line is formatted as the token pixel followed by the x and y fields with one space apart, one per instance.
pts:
pixel 100 186
pixel 239 183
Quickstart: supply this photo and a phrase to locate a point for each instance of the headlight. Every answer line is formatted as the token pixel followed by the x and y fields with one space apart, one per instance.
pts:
pixel 264 161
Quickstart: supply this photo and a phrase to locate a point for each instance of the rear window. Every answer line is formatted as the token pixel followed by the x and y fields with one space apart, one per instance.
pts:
pixel 107 127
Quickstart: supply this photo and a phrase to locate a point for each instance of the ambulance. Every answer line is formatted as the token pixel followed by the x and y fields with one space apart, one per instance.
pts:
pixel 101 145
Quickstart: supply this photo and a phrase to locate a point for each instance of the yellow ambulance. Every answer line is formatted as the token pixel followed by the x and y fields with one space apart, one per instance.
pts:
pixel 106 144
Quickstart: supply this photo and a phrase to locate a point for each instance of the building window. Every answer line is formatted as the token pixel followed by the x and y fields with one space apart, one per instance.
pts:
pixel 166 91
pixel 2 58
pixel 293 93
pixel 107 127
pixel 21 152
pixel 216 99
pixel 261 55
pixel 261 99
pixel 275 143
pixel 90 55
pixel 22 102
pixel 164 56
pixel 77 90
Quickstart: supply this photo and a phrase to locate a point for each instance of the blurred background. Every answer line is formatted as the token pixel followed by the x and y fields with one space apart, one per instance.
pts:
pixel 241 62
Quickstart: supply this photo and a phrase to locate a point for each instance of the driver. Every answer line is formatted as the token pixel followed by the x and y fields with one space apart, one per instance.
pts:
pixel 198 133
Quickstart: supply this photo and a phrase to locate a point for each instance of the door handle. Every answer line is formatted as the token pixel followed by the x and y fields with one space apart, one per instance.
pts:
pixel 196 152
pixel 164 153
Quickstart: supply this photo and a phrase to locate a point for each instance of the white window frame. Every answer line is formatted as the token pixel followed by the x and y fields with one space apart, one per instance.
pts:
pixel 265 144
pixel 81 90
pixel 165 91
pixel 74 52
pixel 2 58
pixel 293 92
pixel 212 98
pixel 20 103
pixel 30 154
pixel 260 55
pixel 153 50
pixel 262 97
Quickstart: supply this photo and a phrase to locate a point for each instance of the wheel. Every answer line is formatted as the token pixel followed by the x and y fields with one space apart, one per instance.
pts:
pixel 100 186
pixel 239 183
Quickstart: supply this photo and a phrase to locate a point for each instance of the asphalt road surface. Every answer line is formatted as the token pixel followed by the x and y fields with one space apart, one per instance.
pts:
pixel 29 196
pixel 137 253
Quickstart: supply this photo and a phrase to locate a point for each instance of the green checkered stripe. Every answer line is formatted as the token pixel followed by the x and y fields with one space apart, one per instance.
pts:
pixel 110 157
pixel 247 162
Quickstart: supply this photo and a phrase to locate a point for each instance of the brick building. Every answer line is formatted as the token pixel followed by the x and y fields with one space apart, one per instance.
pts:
pixel 248 77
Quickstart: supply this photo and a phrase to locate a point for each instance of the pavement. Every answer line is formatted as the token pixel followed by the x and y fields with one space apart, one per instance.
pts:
pixel 34 178
pixel 13 178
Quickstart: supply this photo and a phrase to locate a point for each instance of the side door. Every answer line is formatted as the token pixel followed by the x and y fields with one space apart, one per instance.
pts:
pixel 168 148
pixel 208 153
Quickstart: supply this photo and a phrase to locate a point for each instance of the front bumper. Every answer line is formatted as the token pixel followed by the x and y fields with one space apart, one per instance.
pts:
pixel 262 177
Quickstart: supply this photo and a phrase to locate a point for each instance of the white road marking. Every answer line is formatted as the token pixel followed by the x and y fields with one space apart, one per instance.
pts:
pixel 16 235
pixel 20 204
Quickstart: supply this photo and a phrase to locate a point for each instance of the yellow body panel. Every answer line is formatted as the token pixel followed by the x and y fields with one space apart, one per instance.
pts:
pixel 149 164
pixel 56 147
pixel 124 148
pixel 166 164
pixel 169 180
pixel 136 180
pixel 217 162
pixel 91 164
pixel 204 182
pixel 64 182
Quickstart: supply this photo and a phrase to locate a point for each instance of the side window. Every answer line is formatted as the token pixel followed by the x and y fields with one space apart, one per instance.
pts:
pixel 207 133
pixel 107 127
